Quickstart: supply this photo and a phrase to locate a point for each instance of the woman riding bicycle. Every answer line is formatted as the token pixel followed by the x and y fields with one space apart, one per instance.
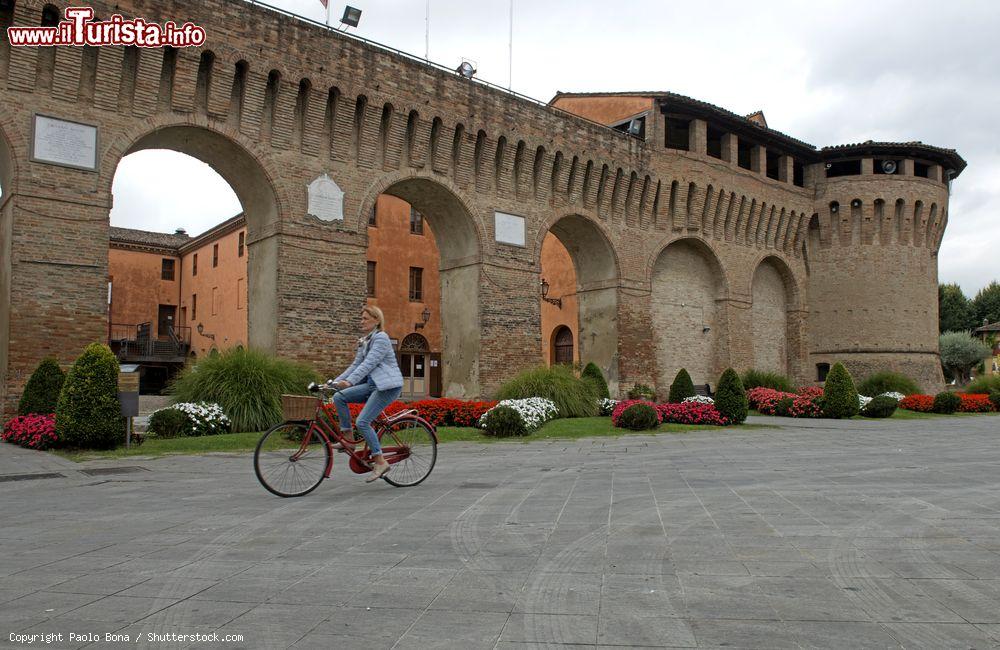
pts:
pixel 373 379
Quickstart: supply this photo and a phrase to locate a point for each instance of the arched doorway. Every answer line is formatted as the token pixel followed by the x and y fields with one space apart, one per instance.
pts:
pixel 458 243
pixel 772 296
pixel 687 282
pixel 414 363
pixel 562 345
pixel 594 274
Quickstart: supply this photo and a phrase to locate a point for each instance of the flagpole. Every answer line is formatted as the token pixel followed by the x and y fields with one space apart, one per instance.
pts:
pixel 510 48
pixel 327 13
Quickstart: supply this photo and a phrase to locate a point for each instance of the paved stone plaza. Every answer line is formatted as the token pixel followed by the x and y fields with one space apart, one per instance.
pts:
pixel 825 534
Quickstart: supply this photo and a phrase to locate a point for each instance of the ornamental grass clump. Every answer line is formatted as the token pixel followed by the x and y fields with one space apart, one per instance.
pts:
pixel 88 415
pixel 682 387
pixel 995 399
pixel 731 398
pixel 639 417
pixel 983 384
pixel 888 382
pixel 505 422
pixel 840 398
pixel 763 379
pixel 946 403
pixel 41 393
pixel 246 383
pixel 574 397
pixel 594 375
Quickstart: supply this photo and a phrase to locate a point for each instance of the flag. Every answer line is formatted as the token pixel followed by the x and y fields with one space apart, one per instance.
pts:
pixel 325 3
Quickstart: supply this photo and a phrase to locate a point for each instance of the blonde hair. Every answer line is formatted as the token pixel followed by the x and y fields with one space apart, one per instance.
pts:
pixel 375 313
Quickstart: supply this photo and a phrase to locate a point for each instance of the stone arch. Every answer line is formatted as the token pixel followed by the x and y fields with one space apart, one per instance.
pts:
pixel 460 244
pixel 597 270
pixel 250 177
pixel 774 293
pixel 687 285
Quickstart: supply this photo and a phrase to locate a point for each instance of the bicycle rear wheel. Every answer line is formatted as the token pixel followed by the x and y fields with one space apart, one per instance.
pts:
pixel 288 466
pixel 410 446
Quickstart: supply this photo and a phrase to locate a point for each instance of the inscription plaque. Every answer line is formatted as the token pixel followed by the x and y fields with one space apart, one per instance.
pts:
pixel 326 199
pixel 62 142
pixel 509 228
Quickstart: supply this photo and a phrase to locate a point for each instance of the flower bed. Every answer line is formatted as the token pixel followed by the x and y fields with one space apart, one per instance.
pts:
pixel 683 413
pixel 606 405
pixel 921 403
pixel 33 431
pixel 698 399
pixel 444 412
pixel 535 411
pixel 975 403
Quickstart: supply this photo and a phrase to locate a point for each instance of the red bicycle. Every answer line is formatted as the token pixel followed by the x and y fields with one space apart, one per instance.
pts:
pixel 293 458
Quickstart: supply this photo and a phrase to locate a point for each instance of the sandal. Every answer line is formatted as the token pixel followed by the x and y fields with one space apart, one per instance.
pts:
pixel 378 473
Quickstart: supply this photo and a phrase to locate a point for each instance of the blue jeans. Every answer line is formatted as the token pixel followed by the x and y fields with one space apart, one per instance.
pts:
pixel 376 402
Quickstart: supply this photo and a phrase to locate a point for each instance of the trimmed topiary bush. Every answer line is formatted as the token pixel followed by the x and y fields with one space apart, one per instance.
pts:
pixel 840 398
pixel 947 403
pixel 639 417
pixel 505 422
pixel 888 382
pixel 880 407
pixel 762 379
pixel 593 374
pixel 574 397
pixel 88 415
pixel 642 391
pixel 168 423
pixel 246 383
pixel 41 393
pixel 731 398
pixel 682 387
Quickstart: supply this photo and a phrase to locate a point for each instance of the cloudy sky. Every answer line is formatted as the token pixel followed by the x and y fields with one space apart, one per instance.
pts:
pixel 828 73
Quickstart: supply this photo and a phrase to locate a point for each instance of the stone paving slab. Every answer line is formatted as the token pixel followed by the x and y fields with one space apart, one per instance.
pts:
pixel 817 534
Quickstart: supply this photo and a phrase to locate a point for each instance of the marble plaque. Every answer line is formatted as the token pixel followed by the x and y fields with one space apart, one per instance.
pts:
pixel 509 228
pixel 61 142
pixel 326 199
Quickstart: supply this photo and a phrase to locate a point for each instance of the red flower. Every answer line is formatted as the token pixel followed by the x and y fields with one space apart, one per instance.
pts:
pixel 922 403
pixel 975 403
pixel 34 431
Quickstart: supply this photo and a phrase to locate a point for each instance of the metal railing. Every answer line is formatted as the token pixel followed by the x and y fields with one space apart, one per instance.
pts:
pixel 134 342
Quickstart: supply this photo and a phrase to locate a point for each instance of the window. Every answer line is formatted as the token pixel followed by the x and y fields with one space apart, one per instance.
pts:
pixel 416 222
pixel 798 173
pixel 373 216
pixel 194 265
pixel 821 371
pixel 773 165
pixel 713 143
pixel 243 241
pixel 167 270
pixel 416 284
pixel 215 301
pixel 843 168
pixel 240 294
pixel 371 279
pixel 744 153
pixel 194 307
pixel 678 133
pixel 215 256
pixel 921 170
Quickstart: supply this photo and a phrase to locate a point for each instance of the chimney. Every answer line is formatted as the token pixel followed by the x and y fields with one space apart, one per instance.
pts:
pixel 180 231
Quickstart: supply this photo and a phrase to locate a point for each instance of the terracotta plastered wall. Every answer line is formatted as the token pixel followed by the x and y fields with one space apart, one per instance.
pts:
pixel 557 269
pixel 221 307
pixel 138 287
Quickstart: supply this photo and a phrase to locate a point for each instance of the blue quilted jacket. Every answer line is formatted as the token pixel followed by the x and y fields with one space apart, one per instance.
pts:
pixel 375 359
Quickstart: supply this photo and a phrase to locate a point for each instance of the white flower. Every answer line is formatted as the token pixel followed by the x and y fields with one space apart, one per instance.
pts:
pixel 700 399
pixel 204 417
pixel 863 400
pixel 895 396
pixel 606 405
pixel 535 411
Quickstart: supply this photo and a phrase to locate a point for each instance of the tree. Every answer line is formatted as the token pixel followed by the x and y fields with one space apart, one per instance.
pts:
pixel 986 304
pixel 730 398
pixel 954 309
pixel 840 397
pixel 41 393
pixel 960 352
pixel 681 388
pixel 593 374
pixel 88 415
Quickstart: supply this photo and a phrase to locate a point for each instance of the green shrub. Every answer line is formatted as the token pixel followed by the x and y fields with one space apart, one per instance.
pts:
pixel 840 398
pixel 88 415
pixel 639 417
pixel 783 405
pixel 947 402
pixel 642 391
pixel 505 422
pixel 246 383
pixel 593 374
pixel 41 393
pixel 888 382
pixel 169 423
pixel 574 397
pixel 731 398
pixel 763 379
pixel 995 399
pixel 681 388
pixel 879 407
pixel 983 384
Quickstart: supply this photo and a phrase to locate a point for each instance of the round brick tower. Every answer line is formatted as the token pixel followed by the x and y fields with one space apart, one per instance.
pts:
pixel 881 210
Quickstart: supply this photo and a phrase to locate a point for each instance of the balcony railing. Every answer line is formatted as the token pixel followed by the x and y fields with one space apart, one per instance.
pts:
pixel 136 343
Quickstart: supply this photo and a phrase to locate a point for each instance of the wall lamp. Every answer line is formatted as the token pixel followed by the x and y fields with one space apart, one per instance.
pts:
pixel 426 315
pixel 545 295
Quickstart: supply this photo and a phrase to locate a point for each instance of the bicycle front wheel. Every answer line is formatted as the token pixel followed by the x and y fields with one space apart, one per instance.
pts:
pixel 410 446
pixel 291 460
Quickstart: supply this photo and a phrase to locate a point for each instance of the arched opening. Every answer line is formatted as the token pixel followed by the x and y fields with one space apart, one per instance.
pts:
pixel 580 267
pixel 772 296
pixel 196 284
pixel 687 283
pixel 450 301
pixel 562 346
pixel 415 364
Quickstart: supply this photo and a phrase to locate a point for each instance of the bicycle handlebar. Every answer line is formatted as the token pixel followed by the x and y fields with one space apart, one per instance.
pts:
pixel 327 388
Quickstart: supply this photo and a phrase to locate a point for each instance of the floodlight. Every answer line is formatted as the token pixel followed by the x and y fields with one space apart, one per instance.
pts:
pixel 351 17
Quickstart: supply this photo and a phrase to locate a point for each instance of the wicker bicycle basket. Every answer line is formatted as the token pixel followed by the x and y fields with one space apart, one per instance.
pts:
pixel 298 407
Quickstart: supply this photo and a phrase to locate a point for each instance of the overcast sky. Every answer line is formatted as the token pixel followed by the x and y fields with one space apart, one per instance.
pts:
pixel 827 73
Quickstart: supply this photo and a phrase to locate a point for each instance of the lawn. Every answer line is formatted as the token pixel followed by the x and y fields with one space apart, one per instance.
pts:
pixel 245 442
